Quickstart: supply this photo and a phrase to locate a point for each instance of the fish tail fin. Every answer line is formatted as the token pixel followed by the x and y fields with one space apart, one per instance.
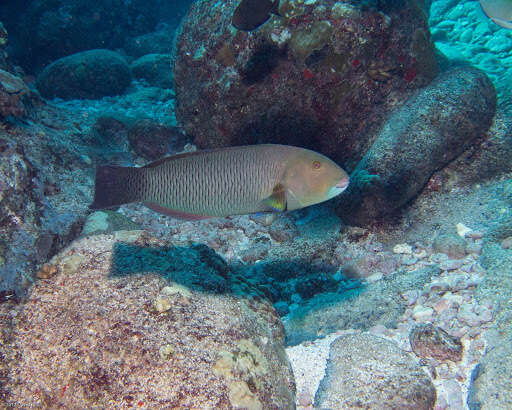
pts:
pixel 116 186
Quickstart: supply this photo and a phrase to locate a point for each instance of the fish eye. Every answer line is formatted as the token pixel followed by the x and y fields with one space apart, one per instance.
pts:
pixel 316 164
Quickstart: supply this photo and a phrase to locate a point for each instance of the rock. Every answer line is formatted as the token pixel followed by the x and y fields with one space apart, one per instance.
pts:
pixel 14 95
pixel 107 222
pixel 429 341
pixel 86 75
pixel 283 230
pixel 430 130
pixel 152 140
pixel 322 77
pixel 491 387
pixel 367 371
pixel 450 244
pixel 358 307
pixel 156 42
pixel 155 69
pixel 114 335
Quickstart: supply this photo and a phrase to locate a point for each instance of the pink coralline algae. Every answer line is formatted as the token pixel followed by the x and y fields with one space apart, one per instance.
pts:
pixel 323 75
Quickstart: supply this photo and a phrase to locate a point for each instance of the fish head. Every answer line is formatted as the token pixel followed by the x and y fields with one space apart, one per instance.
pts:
pixel 311 178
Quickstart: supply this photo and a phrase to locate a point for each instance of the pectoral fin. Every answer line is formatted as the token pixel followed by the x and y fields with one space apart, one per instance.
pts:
pixel 277 201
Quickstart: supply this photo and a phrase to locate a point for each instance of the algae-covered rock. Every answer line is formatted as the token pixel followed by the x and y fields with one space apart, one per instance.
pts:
pixel 369 372
pixel 89 74
pixel 429 131
pixel 131 321
pixel 155 69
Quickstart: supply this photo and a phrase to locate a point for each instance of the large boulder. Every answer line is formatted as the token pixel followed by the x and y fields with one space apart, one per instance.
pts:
pixel 90 74
pixel 322 76
pixel 155 69
pixel 127 320
pixel 369 372
pixel 424 135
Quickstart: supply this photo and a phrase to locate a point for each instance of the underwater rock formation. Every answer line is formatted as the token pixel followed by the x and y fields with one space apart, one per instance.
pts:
pixel 90 74
pixel 138 322
pixel 491 385
pixel 424 135
pixel 14 95
pixel 155 69
pixel 322 76
pixel 366 371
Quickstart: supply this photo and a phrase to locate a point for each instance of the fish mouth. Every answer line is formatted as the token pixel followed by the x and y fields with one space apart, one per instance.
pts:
pixel 343 183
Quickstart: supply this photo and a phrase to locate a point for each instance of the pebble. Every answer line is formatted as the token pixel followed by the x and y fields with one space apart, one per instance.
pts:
pixel 430 341
pixel 507 243
pixel 463 230
pixel 422 314
pixel 451 264
pixel 411 296
pixel 403 248
pixel 161 304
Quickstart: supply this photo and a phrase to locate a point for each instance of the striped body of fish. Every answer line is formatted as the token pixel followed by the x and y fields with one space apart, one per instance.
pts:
pixel 222 182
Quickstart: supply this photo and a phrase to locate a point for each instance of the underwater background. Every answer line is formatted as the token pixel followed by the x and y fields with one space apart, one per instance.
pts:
pixel 394 294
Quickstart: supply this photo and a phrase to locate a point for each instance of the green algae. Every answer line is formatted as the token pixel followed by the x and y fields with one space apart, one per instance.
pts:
pixel 304 42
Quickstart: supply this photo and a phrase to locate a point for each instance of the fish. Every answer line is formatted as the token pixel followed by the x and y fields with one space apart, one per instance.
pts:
pixel 223 182
pixel 499 11
pixel 250 14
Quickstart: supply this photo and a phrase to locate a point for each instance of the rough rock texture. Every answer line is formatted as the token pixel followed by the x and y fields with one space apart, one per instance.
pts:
pixel 492 385
pixel 428 341
pixel 155 69
pixel 48 30
pixel 359 308
pixel 130 321
pixel 369 372
pixel 152 141
pixel 321 77
pixel 89 74
pixel 425 134
pixel 14 95
pixel 107 221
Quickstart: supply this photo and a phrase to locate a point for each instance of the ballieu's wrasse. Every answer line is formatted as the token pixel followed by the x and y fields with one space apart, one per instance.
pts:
pixel 222 182
pixel 250 14
pixel 499 11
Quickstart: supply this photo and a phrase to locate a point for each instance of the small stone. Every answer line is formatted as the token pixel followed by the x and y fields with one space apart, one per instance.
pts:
pixel 47 271
pixel 411 296
pixel 161 304
pixel 441 305
pixel 507 243
pixel 71 263
pixel 166 351
pixel 468 316
pixel 475 248
pixel 463 230
pixel 430 341
pixel 176 288
pixel 403 248
pixel 454 396
pixel 453 245
pixel 484 314
pixel 409 260
pixel 451 264
pixel 475 235
pixel 422 314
